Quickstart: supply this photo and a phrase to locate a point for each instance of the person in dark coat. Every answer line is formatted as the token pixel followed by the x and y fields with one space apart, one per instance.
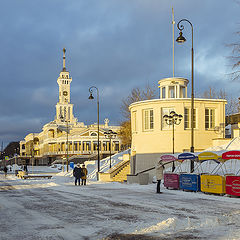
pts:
pixel 84 175
pixel 77 171
pixel 5 169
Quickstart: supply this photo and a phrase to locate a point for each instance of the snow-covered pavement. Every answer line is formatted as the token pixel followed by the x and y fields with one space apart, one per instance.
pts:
pixel 56 209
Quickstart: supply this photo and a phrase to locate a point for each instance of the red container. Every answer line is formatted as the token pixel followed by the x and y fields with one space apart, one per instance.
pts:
pixel 233 185
pixel 171 180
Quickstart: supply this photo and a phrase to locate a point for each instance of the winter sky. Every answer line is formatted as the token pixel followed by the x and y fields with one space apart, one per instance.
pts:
pixel 115 45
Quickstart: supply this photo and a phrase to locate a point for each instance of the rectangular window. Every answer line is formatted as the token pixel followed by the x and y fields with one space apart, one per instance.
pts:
pixel 165 111
pixel 163 92
pixel 116 146
pixel 182 92
pixel 104 146
pixel 148 121
pixel 171 93
pixel 95 146
pixel 187 118
pixel 134 121
pixel 209 118
pixel 75 146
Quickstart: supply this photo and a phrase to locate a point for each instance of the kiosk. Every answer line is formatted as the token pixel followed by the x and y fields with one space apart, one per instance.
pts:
pixel 171 179
pixel 212 183
pixel 189 181
pixel 232 182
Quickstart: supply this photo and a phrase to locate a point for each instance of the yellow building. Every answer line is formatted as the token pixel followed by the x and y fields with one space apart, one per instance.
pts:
pixel 151 136
pixel 65 136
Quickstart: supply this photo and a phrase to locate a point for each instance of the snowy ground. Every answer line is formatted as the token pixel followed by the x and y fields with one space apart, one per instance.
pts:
pixel 56 209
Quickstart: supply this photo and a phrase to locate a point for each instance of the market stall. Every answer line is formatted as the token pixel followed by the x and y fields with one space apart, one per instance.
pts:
pixel 233 182
pixel 210 182
pixel 171 179
pixel 189 181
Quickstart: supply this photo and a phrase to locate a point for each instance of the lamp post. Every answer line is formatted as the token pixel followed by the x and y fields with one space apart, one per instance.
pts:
pixel 15 157
pixel 182 39
pixel 110 135
pixel 32 154
pixel 171 120
pixel 98 146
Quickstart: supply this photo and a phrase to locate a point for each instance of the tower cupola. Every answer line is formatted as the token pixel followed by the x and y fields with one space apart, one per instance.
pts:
pixel 173 88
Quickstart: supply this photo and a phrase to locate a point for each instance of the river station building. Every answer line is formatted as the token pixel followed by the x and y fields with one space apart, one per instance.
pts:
pixel 65 135
pixel 152 137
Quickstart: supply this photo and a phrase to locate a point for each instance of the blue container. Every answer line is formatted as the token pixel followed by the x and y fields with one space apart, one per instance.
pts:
pixel 71 165
pixel 190 182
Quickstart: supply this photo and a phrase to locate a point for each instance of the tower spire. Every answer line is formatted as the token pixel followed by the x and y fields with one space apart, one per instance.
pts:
pixel 64 62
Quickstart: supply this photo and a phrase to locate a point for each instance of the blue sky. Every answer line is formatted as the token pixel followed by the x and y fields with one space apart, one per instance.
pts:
pixel 115 45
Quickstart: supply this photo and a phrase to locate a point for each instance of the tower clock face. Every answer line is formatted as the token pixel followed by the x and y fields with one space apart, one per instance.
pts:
pixel 65 93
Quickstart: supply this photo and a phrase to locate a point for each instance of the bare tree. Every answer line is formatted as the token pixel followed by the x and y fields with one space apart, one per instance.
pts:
pixel 235 58
pixel 232 103
pixel 136 95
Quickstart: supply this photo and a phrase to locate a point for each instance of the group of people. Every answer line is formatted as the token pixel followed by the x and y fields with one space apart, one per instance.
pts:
pixel 80 173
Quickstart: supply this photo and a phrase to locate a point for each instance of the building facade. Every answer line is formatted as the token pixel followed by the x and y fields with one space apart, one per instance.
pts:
pixel 65 136
pixel 151 136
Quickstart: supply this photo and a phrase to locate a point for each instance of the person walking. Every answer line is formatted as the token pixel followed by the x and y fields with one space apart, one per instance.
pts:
pixel 84 175
pixel 159 174
pixel 5 169
pixel 77 173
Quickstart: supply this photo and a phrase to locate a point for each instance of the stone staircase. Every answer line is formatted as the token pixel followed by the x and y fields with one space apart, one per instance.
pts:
pixel 118 173
pixel 121 176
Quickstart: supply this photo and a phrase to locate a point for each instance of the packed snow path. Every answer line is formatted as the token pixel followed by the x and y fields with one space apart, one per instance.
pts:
pixel 56 209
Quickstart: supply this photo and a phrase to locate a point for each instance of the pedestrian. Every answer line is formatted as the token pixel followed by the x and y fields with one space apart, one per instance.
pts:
pixel 159 174
pixel 5 169
pixel 84 175
pixel 77 173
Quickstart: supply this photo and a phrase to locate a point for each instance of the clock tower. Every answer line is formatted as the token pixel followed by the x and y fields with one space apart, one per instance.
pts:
pixel 64 109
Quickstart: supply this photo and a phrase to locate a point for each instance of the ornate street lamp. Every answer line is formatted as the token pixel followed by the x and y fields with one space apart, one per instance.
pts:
pixel 110 135
pixel 98 146
pixel 182 39
pixel 173 119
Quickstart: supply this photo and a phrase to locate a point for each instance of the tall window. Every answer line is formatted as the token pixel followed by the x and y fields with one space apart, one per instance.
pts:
pixel 163 92
pixel 116 146
pixel 209 118
pixel 166 111
pixel 75 146
pixel 182 92
pixel 134 121
pixel 187 118
pixel 171 93
pixel 148 119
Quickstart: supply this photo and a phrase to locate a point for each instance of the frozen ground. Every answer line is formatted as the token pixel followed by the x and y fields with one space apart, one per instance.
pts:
pixel 56 209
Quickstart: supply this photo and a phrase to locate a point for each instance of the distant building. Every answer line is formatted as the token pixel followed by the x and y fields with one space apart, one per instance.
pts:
pixel 234 121
pixel 54 142
pixel 151 136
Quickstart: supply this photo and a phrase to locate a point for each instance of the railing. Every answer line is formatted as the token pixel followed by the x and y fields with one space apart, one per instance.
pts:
pixel 117 168
pixel 108 176
pixel 146 170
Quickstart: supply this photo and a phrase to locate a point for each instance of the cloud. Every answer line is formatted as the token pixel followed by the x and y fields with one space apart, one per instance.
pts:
pixel 114 45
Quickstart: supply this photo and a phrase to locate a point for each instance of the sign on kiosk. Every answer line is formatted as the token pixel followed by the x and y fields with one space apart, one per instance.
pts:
pixel 167 158
pixel 207 156
pixel 231 155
